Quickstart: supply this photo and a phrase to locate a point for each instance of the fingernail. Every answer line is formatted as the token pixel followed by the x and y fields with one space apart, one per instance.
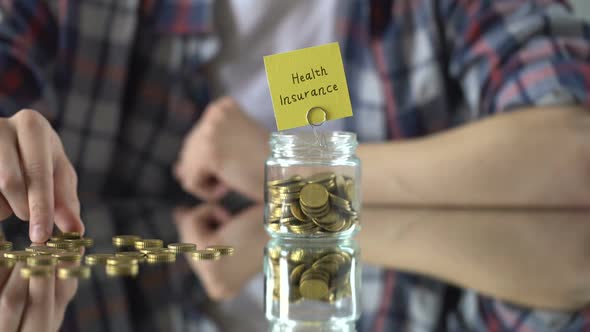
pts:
pixel 38 233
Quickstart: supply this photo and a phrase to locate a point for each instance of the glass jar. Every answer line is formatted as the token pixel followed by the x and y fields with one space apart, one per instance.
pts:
pixel 312 189
pixel 312 284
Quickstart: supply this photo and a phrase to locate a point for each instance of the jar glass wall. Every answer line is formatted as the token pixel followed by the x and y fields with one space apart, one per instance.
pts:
pixel 312 284
pixel 312 188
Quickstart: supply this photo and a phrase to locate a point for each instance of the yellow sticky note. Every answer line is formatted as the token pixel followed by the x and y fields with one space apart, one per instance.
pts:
pixel 304 79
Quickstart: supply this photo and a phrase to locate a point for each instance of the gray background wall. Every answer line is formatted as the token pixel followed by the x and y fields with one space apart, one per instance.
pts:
pixel 582 8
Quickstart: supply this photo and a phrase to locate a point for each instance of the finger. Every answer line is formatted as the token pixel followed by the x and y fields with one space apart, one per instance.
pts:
pixel 37 162
pixel 5 210
pixel 65 289
pixel 40 304
pixel 67 204
pixel 13 300
pixel 12 183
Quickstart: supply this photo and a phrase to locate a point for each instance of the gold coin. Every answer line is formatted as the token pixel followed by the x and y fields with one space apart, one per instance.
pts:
pixel 122 270
pixel 350 190
pixel 7 262
pixel 314 196
pixel 41 260
pixel 43 250
pixel 297 213
pixel 321 177
pixel 205 254
pixel 122 260
pixel 69 235
pixel 294 178
pixel 314 289
pixel 18 255
pixel 134 254
pixel 27 272
pixel 87 242
pixel 182 247
pixel 296 274
pixel 223 250
pixel 150 250
pixel 73 257
pixel 161 257
pixel 64 244
pixel 148 243
pixel 94 259
pixel 80 272
pixel 125 240
pixel 5 245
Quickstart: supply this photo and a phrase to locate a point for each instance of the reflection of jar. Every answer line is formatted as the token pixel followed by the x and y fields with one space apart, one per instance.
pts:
pixel 312 283
pixel 312 189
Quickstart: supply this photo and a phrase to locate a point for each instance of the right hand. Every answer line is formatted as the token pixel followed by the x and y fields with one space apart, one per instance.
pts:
pixel 36 304
pixel 37 181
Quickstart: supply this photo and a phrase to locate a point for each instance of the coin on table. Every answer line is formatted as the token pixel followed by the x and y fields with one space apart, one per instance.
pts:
pixel 148 243
pixel 122 270
pixel 222 249
pixel 64 244
pixel 205 254
pixel 80 272
pixel 27 272
pixel 5 245
pixel 18 255
pixel 161 257
pixel 68 256
pixel 69 235
pixel 43 250
pixel 134 254
pixel 41 260
pixel 182 247
pixel 125 240
pixel 97 259
pixel 150 250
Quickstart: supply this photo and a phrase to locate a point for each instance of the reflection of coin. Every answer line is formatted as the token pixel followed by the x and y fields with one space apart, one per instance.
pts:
pixel 80 272
pixel 27 272
pixel 43 260
pixel 5 245
pixel 94 259
pixel 18 255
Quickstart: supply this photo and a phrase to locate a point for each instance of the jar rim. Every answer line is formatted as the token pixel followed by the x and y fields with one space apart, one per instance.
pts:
pixel 321 144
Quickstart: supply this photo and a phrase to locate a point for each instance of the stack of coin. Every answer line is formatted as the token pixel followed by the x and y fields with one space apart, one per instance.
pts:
pixel 70 241
pixel 314 275
pixel 322 203
pixel 64 248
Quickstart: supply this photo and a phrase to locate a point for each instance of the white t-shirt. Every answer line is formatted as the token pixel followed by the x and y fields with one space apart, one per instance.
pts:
pixel 251 29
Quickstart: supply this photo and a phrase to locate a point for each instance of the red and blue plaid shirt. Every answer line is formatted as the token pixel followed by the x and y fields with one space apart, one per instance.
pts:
pixel 122 82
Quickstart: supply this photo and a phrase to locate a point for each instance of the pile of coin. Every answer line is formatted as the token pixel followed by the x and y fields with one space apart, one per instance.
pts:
pixel 322 203
pixel 42 260
pixel 313 275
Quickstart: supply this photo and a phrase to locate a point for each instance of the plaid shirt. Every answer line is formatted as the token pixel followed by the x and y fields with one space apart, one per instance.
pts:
pixel 122 81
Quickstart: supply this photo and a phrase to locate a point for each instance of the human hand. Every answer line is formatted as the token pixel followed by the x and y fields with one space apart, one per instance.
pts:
pixel 37 182
pixel 36 304
pixel 208 225
pixel 225 150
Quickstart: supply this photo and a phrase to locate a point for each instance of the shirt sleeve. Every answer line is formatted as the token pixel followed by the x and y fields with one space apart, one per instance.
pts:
pixel 477 312
pixel 508 54
pixel 28 35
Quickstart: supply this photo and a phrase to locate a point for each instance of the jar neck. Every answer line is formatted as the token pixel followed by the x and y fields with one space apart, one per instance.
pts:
pixel 306 145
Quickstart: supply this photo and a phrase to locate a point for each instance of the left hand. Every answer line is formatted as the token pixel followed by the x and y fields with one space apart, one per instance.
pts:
pixel 225 151
pixel 209 224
